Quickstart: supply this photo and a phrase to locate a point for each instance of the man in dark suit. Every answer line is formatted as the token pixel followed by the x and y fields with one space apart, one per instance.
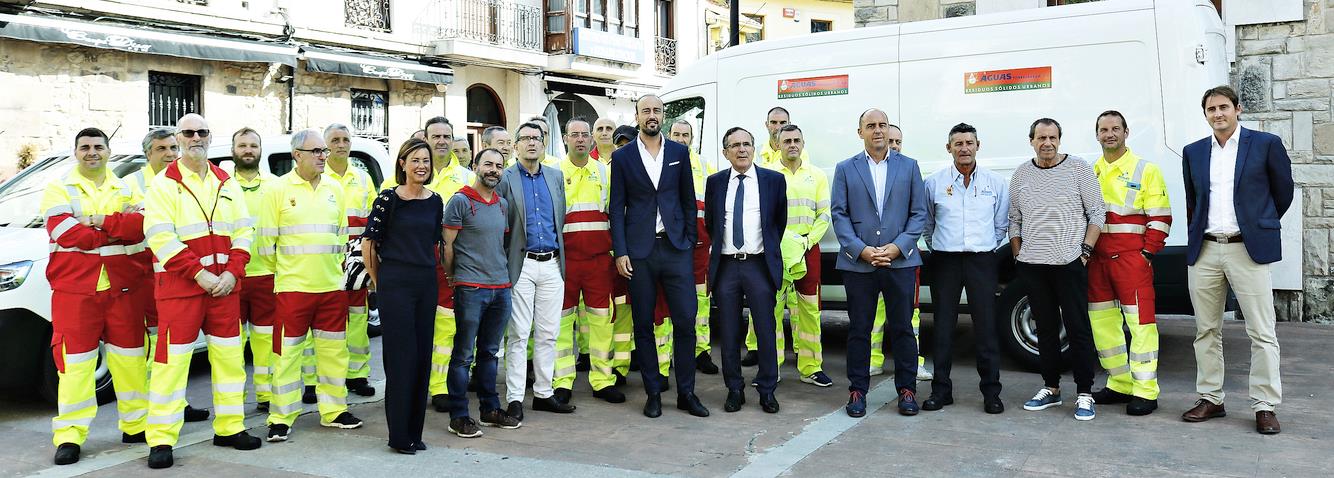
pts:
pixel 1238 185
pixel 878 206
pixel 745 212
pixel 653 232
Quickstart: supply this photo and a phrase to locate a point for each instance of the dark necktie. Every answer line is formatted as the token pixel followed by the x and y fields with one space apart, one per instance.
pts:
pixel 739 212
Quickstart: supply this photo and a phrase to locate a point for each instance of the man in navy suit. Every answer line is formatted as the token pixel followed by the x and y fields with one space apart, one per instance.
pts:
pixel 745 212
pixel 878 204
pixel 1238 185
pixel 653 233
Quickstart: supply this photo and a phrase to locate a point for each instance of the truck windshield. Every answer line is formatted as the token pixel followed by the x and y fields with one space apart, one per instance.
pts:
pixel 21 197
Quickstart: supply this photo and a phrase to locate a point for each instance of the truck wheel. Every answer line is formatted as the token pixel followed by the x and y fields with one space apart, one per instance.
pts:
pixel 101 380
pixel 1017 328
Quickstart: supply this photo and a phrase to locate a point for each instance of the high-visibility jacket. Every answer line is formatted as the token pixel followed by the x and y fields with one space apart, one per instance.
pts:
pixel 700 173
pixel 261 251
pixel 195 223
pixel 308 229
pixel 87 259
pixel 1139 215
pixel 140 181
pixel 360 193
pixel 587 226
pixel 807 210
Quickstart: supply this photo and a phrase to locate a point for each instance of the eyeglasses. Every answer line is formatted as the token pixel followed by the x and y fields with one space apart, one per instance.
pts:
pixel 190 133
pixel 742 144
pixel 578 135
pixel 316 151
pixel 529 138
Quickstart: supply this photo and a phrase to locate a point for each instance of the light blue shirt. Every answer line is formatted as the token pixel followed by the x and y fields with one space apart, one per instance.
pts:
pixel 966 219
pixel 879 175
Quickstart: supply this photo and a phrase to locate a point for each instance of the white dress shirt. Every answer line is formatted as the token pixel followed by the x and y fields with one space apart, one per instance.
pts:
pixel 753 234
pixel 878 178
pixel 1222 172
pixel 653 165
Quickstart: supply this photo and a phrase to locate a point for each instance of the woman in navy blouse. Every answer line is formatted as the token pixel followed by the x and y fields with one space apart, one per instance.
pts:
pixel 400 248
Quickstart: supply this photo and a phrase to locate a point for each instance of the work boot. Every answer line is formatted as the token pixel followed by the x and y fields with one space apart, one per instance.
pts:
pixel 440 402
pixel 360 386
pixel 67 453
pixel 751 359
pixel 611 394
pixel 562 395
pixel 160 457
pixel 308 396
pixel 133 438
pixel 193 414
pixel 583 363
pixel 1107 396
pixel 704 363
pixel 262 407
pixel 1140 406
pixel 240 441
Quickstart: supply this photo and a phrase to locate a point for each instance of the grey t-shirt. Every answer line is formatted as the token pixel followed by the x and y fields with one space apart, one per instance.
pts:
pixel 479 248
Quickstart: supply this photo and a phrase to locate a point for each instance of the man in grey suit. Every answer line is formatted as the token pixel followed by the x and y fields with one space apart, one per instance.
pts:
pixel 536 195
pixel 878 204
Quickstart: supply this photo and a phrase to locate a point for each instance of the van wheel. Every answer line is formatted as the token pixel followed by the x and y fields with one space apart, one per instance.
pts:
pixel 1018 330
pixel 50 381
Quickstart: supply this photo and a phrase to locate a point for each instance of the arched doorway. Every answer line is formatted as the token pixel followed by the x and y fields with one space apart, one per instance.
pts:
pixel 484 110
pixel 570 105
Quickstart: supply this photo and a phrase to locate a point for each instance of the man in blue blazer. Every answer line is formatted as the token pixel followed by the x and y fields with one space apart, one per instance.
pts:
pixel 878 207
pixel 1238 185
pixel 653 233
pixel 745 212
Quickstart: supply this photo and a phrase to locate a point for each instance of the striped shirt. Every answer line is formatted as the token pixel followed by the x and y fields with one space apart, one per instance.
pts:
pixel 1051 209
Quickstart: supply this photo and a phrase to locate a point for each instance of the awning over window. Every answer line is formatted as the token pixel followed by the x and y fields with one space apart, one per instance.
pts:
pixel 137 39
pixel 374 66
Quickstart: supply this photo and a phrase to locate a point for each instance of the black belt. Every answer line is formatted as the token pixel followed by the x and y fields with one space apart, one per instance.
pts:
pixel 1236 238
pixel 741 256
pixel 542 256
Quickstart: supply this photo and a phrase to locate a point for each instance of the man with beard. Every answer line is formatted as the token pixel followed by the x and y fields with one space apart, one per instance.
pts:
pixel 652 203
pixel 200 234
pixel 257 298
pixel 360 193
pixel 475 261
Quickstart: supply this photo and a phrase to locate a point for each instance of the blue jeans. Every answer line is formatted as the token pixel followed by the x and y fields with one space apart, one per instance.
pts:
pixel 480 319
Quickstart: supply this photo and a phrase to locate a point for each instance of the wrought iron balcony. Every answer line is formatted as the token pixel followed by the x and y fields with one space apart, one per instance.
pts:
pixel 665 51
pixel 499 22
pixel 367 14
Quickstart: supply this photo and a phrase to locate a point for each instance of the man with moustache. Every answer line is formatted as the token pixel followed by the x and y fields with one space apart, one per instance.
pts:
pixel 966 221
pixel 257 298
pixel 360 194
pixel 476 262
pixel 652 203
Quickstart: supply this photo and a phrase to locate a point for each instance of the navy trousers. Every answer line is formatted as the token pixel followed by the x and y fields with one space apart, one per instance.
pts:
pixel 898 288
pixel 674 270
pixel 406 299
pixel 748 279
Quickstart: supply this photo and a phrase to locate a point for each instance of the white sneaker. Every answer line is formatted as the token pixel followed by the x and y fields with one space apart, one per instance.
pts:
pixel 1084 407
pixel 924 374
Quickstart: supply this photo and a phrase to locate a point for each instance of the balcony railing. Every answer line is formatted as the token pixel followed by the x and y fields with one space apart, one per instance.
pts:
pixel 367 14
pixel 499 22
pixel 665 51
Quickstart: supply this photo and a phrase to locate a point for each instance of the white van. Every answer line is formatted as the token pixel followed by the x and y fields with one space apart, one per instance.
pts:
pixel 1150 60
pixel 25 295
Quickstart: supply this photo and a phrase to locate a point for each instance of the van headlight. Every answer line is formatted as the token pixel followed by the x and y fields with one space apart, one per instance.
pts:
pixel 13 274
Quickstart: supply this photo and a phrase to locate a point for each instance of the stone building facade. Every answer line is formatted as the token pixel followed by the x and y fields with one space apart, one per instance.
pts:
pixel 1284 73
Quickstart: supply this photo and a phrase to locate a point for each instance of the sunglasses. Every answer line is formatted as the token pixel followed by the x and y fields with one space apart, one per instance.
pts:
pixel 190 133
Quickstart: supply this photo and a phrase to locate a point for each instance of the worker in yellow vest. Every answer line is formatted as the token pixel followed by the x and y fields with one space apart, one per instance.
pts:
pixel 450 176
pixel 360 192
pixel 92 217
pixel 200 233
pixel 305 217
pixel 258 302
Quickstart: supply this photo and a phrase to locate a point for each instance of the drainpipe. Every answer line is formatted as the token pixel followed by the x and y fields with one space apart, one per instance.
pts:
pixel 734 23
pixel 291 99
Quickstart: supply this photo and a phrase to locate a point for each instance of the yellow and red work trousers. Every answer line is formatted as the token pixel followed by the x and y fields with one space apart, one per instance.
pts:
pixel 1121 292
pixel 358 341
pixel 258 306
pixel 588 281
pixel 324 317
pixel 802 299
pixel 442 343
pixel 78 323
pixel 181 320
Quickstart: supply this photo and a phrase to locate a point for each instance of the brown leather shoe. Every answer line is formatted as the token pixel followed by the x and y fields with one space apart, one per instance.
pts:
pixel 1266 423
pixel 1203 411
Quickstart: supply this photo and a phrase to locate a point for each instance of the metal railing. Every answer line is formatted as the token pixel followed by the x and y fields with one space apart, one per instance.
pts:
pixel 367 14
pixel 665 51
pixel 500 22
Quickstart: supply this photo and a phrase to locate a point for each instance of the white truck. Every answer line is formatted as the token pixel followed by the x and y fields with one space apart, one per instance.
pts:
pixel 1150 60
pixel 25 295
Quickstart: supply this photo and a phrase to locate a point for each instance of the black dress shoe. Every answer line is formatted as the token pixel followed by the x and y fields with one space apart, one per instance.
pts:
pixel 735 399
pixel 751 359
pixel 704 363
pixel 768 403
pixel 193 414
pixel 440 403
pixel 308 396
pixel 611 394
pixel 406 451
pixel 937 402
pixel 551 404
pixel 133 438
pixel 653 406
pixel 419 446
pixel 582 364
pixel 515 410
pixel 240 441
pixel 67 453
pixel 993 405
pixel 563 395
pixel 690 403
pixel 160 457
